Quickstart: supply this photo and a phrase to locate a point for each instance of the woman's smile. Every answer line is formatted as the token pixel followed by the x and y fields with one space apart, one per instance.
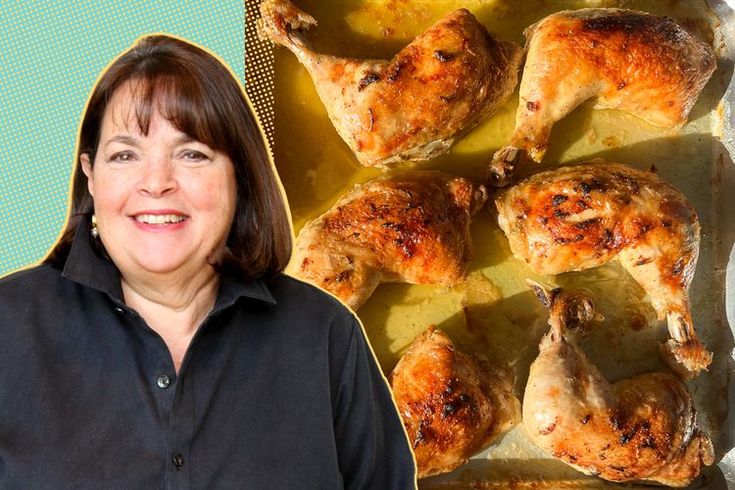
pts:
pixel 157 221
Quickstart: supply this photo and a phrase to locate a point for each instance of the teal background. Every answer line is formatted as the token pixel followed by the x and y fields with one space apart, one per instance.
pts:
pixel 51 56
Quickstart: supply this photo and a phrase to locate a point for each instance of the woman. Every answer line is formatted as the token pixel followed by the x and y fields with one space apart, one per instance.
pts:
pixel 159 345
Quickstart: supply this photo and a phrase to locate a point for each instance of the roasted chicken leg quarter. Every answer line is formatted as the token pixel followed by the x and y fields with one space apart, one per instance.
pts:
pixel 580 217
pixel 414 106
pixel 410 227
pixel 452 403
pixel 632 61
pixel 642 428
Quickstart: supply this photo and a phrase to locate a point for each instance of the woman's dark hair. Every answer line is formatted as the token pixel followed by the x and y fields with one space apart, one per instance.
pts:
pixel 200 97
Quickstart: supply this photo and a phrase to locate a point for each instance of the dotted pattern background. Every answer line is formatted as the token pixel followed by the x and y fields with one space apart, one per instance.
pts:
pixel 51 56
pixel 260 71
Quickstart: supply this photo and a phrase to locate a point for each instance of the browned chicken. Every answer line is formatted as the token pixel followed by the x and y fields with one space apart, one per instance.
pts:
pixel 642 428
pixel 632 61
pixel 580 217
pixel 414 106
pixel 409 227
pixel 452 404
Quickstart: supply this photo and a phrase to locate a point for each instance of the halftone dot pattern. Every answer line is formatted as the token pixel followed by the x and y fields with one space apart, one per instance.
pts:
pixel 52 54
pixel 259 71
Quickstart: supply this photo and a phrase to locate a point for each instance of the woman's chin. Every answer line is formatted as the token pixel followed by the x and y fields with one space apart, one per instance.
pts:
pixel 163 262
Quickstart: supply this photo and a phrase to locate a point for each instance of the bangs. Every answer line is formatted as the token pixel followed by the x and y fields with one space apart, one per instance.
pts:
pixel 184 103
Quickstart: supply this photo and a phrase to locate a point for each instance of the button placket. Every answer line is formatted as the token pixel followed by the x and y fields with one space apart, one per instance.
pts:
pixel 180 432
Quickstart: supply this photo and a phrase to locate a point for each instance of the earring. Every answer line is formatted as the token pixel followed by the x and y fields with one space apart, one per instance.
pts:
pixel 95 234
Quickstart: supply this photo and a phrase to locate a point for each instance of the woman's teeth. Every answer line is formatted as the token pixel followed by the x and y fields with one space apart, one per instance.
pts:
pixel 159 219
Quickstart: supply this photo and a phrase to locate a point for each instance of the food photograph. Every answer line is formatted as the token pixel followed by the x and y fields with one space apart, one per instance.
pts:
pixel 530 207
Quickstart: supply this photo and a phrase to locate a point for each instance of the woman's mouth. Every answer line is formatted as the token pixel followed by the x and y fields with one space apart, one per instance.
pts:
pixel 159 219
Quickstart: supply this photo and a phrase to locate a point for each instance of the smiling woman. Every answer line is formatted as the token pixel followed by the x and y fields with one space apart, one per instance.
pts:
pixel 160 344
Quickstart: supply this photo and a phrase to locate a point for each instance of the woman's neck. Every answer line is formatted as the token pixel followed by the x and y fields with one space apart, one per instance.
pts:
pixel 172 308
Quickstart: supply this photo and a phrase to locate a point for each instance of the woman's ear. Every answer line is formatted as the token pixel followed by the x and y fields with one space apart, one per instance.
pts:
pixel 87 169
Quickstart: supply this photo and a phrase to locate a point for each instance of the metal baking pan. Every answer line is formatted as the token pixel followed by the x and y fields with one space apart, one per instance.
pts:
pixel 502 319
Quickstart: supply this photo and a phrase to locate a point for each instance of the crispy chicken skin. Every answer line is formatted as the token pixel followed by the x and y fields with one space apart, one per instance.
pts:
pixel 632 61
pixel 412 107
pixel 579 217
pixel 642 428
pixel 452 404
pixel 408 227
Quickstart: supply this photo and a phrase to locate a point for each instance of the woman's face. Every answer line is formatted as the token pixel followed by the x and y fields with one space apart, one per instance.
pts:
pixel 164 203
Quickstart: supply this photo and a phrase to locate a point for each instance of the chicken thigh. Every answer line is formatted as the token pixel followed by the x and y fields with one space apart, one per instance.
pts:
pixel 414 106
pixel 632 61
pixel 410 227
pixel 642 428
pixel 579 217
pixel 452 404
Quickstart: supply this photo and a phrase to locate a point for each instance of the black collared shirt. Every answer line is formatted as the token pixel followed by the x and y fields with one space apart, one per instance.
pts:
pixel 278 389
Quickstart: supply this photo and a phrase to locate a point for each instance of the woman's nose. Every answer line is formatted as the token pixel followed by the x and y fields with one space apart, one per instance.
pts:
pixel 158 177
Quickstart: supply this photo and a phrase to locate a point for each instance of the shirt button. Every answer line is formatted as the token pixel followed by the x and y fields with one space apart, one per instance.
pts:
pixel 178 460
pixel 163 381
pixel 118 310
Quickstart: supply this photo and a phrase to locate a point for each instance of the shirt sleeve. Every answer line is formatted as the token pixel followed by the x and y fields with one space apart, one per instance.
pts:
pixel 372 446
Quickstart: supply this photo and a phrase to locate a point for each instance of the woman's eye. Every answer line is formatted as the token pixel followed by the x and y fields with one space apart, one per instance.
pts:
pixel 193 156
pixel 123 156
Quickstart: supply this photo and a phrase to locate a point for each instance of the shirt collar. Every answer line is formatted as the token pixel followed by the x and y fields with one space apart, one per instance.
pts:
pixel 86 267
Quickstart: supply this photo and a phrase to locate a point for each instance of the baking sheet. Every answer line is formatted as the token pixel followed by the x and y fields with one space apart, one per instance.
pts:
pixel 725 12
pixel 493 312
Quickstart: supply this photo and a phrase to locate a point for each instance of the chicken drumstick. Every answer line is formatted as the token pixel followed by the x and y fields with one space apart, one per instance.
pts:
pixel 579 217
pixel 632 61
pixel 642 428
pixel 412 107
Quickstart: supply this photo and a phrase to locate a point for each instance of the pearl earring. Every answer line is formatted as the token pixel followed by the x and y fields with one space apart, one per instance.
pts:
pixel 95 234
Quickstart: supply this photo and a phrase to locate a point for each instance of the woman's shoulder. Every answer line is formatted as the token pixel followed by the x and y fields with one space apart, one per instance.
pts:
pixel 309 304
pixel 317 318
pixel 36 276
pixel 289 290
pixel 30 289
